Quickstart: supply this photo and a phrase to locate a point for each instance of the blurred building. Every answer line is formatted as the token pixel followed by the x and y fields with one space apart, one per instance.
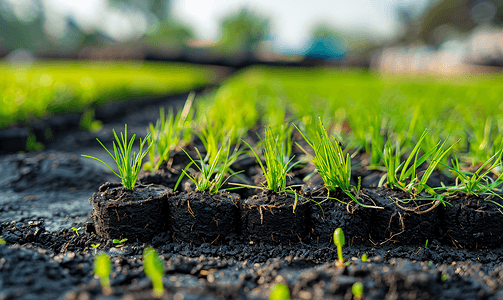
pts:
pixel 450 37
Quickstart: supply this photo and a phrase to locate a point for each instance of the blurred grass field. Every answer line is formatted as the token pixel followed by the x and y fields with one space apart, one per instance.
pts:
pixel 44 88
pixel 360 108
pixel 364 109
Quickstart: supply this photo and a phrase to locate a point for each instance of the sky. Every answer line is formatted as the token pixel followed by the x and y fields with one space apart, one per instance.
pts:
pixel 291 21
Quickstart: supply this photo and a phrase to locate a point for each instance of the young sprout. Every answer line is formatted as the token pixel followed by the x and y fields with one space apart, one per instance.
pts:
pixel 339 242
pixel 119 242
pixel 2 242
pixel 76 230
pixel 279 292
pixel 211 175
pixel 102 269
pixel 128 163
pixel 153 267
pixel 357 290
pixel 364 257
pixel 277 163
pixel 426 244
pixel 95 247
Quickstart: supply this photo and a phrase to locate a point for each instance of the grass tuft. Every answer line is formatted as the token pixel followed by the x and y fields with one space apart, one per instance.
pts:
pixel 128 162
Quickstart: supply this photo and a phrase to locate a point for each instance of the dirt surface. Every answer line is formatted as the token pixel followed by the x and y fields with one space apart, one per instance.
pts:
pixel 44 194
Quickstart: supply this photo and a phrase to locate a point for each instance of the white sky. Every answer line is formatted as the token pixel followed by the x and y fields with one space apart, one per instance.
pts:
pixel 291 21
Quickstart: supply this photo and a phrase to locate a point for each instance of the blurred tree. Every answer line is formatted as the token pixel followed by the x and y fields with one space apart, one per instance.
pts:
pixel 169 34
pixel 22 25
pixel 242 32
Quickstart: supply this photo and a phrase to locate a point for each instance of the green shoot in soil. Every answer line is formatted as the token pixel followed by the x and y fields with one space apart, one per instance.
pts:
pixel 357 290
pixel 128 163
pixel 364 258
pixel 339 241
pixel 32 144
pixel 76 230
pixel 277 163
pixel 279 292
pixel 119 242
pixel 88 122
pixel 211 177
pixel 153 267
pixel 102 268
pixel 95 247
pixel 2 242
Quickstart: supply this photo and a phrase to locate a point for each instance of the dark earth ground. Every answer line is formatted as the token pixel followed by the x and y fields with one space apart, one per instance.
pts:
pixel 43 194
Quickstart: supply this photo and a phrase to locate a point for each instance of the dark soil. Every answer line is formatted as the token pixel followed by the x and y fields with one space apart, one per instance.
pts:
pixel 46 193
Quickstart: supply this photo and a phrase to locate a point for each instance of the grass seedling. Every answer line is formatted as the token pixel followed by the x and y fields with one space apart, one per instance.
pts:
pixel 364 258
pixel 95 247
pixel 405 169
pixel 408 168
pixel 277 163
pixel 168 133
pixel 479 182
pixel 333 166
pixel 119 242
pixel 339 241
pixel 76 230
pixel 153 267
pixel 280 292
pixel 212 176
pixel 357 290
pixel 102 269
pixel 211 135
pixel 128 163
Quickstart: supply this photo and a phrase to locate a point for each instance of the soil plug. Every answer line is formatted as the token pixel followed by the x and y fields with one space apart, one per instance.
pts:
pixel 153 268
pixel 339 242
pixel 102 268
pixel 357 290
pixel 279 292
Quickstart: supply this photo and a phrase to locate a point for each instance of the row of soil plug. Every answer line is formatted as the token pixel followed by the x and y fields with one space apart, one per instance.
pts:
pixel 404 210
